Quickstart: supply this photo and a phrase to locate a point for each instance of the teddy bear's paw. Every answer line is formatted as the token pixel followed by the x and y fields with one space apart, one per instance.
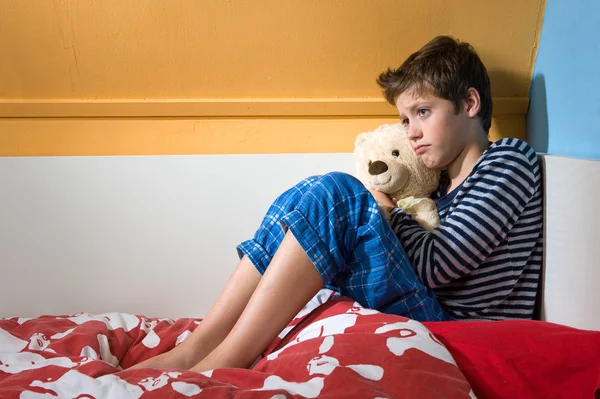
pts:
pixel 428 220
pixel 424 211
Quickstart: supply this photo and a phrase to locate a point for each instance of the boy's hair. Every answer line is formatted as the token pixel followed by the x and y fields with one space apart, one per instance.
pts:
pixel 445 68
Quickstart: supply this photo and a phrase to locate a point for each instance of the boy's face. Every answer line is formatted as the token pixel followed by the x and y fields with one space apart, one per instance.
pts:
pixel 437 133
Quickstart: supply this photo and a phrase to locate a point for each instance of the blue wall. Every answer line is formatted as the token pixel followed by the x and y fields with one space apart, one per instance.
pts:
pixel 564 112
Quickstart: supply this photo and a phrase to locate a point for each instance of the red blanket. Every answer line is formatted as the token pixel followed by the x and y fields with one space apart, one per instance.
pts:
pixel 336 350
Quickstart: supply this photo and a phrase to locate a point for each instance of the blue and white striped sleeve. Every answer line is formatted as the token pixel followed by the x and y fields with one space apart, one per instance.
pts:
pixel 482 214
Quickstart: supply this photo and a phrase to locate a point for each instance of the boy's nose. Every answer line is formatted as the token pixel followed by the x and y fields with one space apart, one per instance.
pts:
pixel 413 132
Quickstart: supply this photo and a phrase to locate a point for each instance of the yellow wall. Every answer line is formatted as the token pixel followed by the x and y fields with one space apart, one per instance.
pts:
pixel 82 77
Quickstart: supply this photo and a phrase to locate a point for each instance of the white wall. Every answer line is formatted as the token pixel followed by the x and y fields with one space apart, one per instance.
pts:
pixel 146 235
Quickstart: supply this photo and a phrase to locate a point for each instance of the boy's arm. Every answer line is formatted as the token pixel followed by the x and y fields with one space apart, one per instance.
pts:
pixel 491 202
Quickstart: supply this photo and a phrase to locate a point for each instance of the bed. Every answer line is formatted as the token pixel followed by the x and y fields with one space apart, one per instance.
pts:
pixel 101 268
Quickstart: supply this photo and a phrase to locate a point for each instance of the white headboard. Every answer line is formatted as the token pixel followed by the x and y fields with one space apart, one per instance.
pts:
pixel 156 235
pixel 571 276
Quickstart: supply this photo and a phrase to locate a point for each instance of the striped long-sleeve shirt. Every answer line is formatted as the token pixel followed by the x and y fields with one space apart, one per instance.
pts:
pixel 484 260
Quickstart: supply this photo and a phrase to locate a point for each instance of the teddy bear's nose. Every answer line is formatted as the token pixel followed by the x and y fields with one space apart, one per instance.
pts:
pixel 377 168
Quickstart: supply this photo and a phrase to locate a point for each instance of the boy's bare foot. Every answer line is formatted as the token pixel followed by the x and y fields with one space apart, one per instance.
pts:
pixel 176 358
pixel 220 358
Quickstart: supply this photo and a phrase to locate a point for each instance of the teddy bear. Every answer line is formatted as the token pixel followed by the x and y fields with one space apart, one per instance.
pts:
pixel 386 162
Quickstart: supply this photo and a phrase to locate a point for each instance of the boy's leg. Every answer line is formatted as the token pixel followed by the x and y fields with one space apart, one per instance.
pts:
pixel 343 231
pixel 288 284
pixel 268 237
pixel 255 254
pixel 337 233
pixel 215 326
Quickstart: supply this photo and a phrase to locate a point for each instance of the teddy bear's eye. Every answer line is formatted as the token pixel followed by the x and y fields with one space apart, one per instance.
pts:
pixel 370 163
pixel 395 153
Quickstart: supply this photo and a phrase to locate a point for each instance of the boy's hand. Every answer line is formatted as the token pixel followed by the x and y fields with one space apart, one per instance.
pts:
pixel 382 198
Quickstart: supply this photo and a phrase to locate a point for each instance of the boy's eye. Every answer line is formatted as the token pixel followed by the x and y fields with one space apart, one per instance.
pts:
pixel 395 153
pixel 423 112
pixel 404 122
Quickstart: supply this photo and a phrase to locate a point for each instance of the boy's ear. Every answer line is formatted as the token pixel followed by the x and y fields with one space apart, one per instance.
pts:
pixel 473 102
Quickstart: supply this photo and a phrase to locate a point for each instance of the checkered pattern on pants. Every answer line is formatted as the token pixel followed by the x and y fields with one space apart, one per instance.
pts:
pixel 340 227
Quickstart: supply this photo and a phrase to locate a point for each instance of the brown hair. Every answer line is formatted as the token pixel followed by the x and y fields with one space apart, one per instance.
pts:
pixel 445 68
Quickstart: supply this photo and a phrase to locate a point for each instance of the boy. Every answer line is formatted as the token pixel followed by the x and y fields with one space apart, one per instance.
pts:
pixel 482 262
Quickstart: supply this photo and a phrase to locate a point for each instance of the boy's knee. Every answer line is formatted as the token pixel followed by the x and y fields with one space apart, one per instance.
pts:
pixel 345 181
pixel 307 182
pixel 343 177
pixel 332 184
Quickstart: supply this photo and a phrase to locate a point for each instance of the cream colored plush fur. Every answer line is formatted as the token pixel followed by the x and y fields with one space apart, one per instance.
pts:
pixel 386 162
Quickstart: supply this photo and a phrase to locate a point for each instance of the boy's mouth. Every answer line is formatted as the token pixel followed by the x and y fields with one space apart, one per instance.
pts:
pixel 421 148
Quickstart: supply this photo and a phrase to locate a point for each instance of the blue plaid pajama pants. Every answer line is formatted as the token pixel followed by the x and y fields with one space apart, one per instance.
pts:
pixel 340 227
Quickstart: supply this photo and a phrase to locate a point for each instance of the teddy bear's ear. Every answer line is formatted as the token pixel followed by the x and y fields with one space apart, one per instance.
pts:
pixel 360 139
